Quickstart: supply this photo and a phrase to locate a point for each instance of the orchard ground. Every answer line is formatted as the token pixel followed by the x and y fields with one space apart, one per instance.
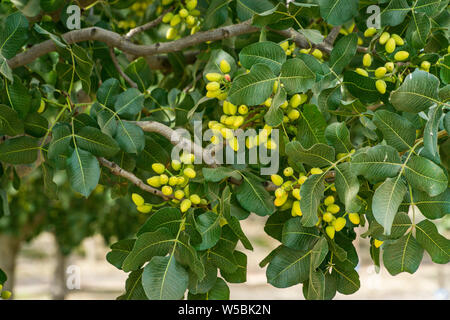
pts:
pixel 100 280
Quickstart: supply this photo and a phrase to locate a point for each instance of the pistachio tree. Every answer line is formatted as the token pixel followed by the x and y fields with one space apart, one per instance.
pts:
pixel 350 99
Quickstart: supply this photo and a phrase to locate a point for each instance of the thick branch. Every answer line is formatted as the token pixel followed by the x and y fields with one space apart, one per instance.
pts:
pixel 331 38
pixel 119 69
pixel 113 39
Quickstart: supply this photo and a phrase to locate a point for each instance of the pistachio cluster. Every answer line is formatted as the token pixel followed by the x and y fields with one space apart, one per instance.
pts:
pixel 287 196
pixel 183 16
pixel 173 184
pixel 387 72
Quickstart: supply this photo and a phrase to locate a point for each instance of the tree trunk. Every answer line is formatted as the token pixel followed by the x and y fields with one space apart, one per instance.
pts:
pixel 58 288
pixel 9 249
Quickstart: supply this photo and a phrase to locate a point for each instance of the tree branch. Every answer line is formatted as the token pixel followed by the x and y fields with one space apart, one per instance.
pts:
pixel 146 26
pixel 177 139
pixel 331 38
pixel 118 171
pixel 113 39
pixel 119 69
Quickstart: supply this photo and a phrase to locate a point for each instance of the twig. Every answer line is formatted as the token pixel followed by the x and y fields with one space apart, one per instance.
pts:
pixel 118 171
pixel 119 69
pixel 146 26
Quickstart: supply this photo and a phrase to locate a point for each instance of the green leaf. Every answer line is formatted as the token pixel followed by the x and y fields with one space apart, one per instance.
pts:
pixel 386 201
pixel 319 252
pixel 397 130
pixel 240 275
pixel 99 144
pixel 337 12
pixel 400 225
pixel 430 133
pixel 247 8
pixel 418 29
pixel 60 144
pixel 130 137
pixel 311 194
pixel 425 175
pixel 169 218
pixel 119 252
pixel 418 92
pixel 140 72
pixel 435 244
pixel 219 291
pixel 445 69
pixel 319 155
pixel 311 126
pixel 252 88
pixel 216 14
pixel 147 246
pixel 129 103
pixel 5 68
pixel 133 287
pixel 18 96
pixel 312 35
pixel 164 279
pixel 222 258
pixel 403 255
pixel 233 222
pixel 83 171
pixel 152 153
pixel 338 136
pixel 196 285
pixel 394 13
pixel 14 35
pixel 347 186
pixel 10 124
pixel 36 125
pixel 208 225
pixel 296 76
pixel 347 278
pixel 295 236
pixel 319 286
pixel 376 163
pixel 364 88
pixel 432 207
pixel 274 224
pixel 3 277
pixel 108 91
pixel 51 5
pixel 254 198
pixel 288 267
pixel 220 173
pixel 343 52
pixel 274 117
pixel 266 52
pixel 20 150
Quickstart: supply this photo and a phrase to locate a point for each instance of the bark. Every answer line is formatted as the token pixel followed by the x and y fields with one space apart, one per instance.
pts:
pixel 58 287
pixel 9 249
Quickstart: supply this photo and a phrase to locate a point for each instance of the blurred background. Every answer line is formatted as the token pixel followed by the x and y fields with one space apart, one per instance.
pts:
pixel 56 249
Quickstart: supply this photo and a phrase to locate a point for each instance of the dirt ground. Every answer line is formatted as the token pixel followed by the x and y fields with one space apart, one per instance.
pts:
pixel 100 280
